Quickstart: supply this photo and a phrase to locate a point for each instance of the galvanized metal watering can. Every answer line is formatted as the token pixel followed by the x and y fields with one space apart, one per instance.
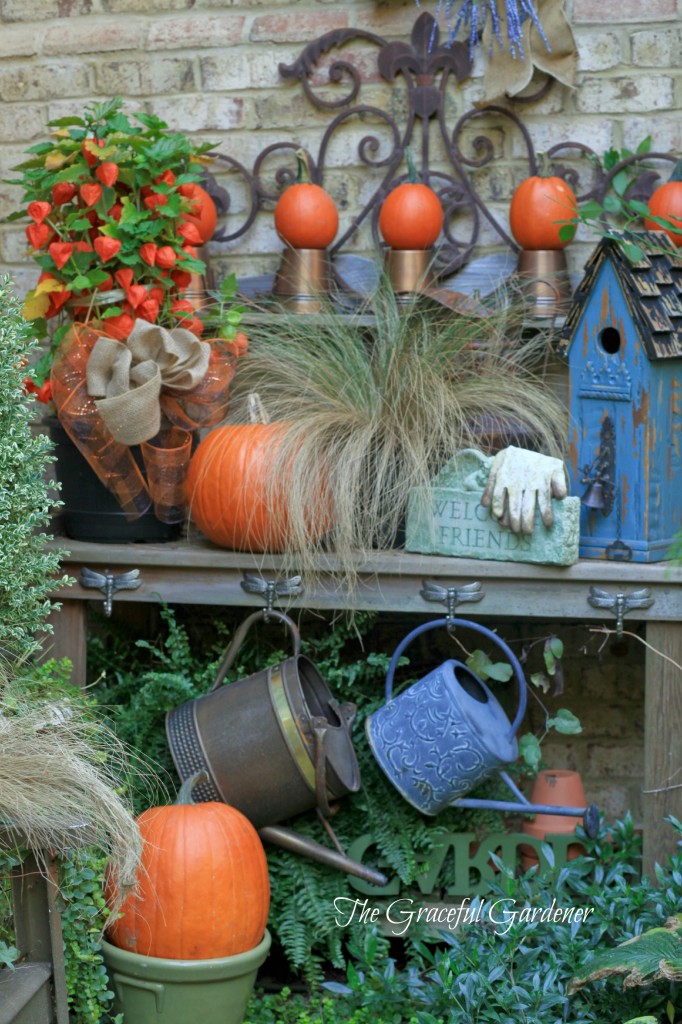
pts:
pixel 273 745
pixel 447 733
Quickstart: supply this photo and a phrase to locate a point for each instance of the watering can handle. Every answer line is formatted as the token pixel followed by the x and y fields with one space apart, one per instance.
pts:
pixel 467 624
pixel 262 615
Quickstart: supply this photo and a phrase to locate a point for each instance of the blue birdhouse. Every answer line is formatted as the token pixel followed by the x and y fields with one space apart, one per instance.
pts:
pixel 623 341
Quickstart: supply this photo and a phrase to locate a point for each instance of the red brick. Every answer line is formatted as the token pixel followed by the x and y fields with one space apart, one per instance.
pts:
pixel 93 35
pixel 195 30
pixel 615 12
pixel 296 27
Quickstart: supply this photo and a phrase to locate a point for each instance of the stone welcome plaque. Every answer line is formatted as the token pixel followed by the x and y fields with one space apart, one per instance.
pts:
pixel 448 519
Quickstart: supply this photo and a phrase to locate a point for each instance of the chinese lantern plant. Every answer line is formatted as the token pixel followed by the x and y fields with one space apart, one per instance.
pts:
pixel 113 211
pixel 305 215
pixel 543 211
pixel 411 215
pixel 203 890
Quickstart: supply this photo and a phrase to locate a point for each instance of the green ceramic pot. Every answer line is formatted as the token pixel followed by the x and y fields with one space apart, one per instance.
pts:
pixel 154 990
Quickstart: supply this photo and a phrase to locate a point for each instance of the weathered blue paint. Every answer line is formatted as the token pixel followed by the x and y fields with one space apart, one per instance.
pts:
pixel 612 373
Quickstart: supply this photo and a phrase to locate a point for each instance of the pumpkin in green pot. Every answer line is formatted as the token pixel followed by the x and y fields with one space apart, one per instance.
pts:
pixel 203 890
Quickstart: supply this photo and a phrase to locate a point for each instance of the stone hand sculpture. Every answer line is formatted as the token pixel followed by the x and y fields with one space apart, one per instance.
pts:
pixel 519 480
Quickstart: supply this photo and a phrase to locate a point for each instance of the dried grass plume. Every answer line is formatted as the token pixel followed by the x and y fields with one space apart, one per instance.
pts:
pixel 60 769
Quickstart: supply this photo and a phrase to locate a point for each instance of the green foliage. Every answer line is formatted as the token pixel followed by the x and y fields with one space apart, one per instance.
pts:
pixel 530 746
pixel 518 969
pixel 224 315
pixel 137 688
pixel 84 913
pixel 619 216
pixel 655 954
pixel 27 570
pixel 9 860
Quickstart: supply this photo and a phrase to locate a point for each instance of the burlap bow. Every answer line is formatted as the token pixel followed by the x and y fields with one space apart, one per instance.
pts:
pixel 151 390
pixel 125 378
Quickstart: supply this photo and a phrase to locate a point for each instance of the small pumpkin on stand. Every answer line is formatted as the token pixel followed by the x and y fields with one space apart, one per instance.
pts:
pixel 305 215
pixel 307 220
pixel 543 209
pixel 410 221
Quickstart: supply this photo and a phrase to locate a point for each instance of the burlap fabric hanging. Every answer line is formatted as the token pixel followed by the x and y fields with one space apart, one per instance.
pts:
pixel 508 73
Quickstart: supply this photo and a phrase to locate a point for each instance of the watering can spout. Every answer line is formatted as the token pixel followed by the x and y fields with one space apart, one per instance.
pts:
pixel 290 840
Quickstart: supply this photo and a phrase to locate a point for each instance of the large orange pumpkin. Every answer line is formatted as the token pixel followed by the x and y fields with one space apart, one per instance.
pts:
pixel 539 209
pixel 305 215
pixel 202 889
pixel 230 494
pixel 411 216
pixel 666 202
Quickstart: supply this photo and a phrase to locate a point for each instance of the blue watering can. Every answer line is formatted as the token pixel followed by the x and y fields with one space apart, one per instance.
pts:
pixel 447 733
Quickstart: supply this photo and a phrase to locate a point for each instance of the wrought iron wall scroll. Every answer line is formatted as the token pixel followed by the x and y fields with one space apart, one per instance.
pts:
pixel 428 71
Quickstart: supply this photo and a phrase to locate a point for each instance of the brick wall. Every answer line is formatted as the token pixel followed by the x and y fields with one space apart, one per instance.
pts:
pixel 211 68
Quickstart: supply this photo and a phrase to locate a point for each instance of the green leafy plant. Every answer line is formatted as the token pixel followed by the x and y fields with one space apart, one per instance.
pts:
pixel 84 912
pixel 620 213
pixel 518 966
pixel 655 955
pixel 10 859
pixel 107 201
pixel 564 722
pixel 27 570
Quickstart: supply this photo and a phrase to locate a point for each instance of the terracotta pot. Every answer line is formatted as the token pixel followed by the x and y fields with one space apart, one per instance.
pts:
pixel 562 789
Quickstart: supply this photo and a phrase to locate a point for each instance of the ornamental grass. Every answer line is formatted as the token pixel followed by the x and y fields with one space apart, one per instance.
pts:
pixel 371 412
pixel 61 771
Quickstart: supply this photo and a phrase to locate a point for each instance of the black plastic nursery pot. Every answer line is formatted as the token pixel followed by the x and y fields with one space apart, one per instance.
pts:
pixel 90 512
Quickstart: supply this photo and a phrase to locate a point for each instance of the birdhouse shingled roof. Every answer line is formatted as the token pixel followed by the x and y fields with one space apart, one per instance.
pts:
pixel 651 286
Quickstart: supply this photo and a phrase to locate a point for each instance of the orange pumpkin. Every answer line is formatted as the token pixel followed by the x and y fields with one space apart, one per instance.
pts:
pixel 305 215
pixel 540 207
pixel 203 214
pixel 202 889
pixel 230 493
pixel 666 202
pixel 411 216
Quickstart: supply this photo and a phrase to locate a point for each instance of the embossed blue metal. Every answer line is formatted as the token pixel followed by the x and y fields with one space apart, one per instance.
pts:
pixel 446 733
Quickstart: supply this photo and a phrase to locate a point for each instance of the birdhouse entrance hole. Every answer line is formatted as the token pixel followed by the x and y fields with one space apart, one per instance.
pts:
pixel 609 339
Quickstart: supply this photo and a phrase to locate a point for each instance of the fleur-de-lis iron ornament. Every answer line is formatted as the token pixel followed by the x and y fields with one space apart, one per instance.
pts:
pixel 425 73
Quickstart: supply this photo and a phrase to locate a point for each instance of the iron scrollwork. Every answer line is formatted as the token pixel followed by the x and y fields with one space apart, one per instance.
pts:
pixel 427 73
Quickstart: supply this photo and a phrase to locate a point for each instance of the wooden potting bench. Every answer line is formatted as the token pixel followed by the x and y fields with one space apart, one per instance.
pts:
pixel 195 572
